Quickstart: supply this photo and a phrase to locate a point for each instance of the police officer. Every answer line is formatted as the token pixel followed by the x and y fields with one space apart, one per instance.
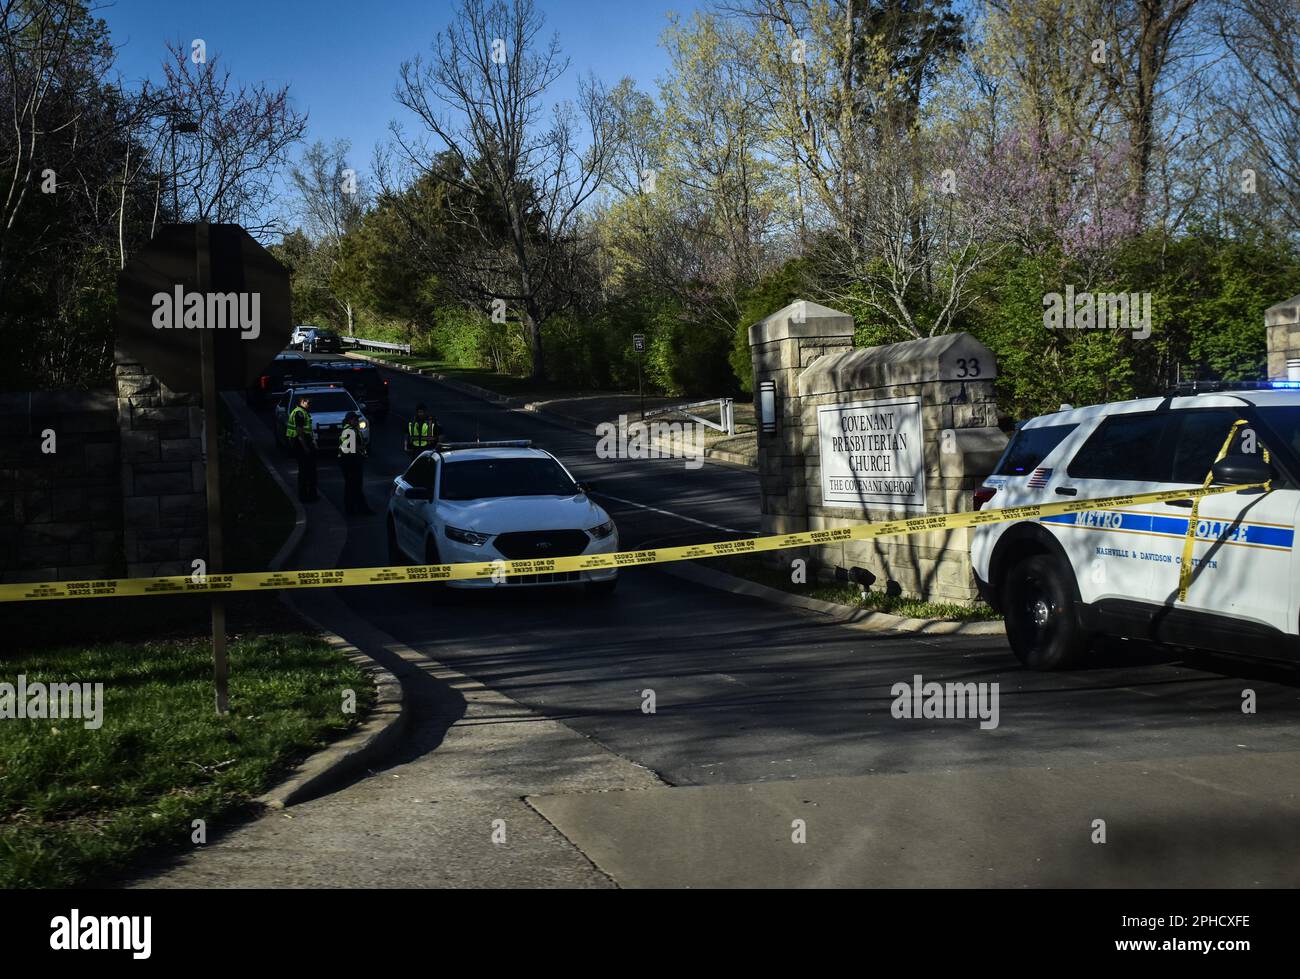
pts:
pixel 352 460
pixel 421 432
pixel 302 438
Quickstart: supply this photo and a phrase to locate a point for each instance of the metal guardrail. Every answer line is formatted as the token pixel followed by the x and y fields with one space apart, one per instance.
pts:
pixel 726 414
pixel 401 348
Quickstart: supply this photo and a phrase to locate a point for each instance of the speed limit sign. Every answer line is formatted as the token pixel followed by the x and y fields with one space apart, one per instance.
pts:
pixel 638 342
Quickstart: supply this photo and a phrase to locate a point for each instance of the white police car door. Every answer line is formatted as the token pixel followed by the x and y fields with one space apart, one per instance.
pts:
pixel 410 520
pixel 1108 548
pixel 1242 559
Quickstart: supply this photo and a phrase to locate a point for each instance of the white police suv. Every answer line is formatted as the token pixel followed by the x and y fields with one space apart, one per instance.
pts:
pixel 484 501
pixel 1062 580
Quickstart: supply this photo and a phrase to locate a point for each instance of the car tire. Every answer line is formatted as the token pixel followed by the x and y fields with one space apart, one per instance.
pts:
pixel 600 589
pixel 395 556
pixel 1042 620
pixel 438 589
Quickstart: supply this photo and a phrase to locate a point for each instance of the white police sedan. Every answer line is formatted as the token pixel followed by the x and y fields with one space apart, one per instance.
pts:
pixel 485 501
pixel 330 405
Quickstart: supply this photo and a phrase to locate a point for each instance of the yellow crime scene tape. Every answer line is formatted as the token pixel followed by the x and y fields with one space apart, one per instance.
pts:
pixel 1185 567
pixel 352 577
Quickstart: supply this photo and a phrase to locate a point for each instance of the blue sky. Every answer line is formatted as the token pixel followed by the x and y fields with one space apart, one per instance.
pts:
pixel 340 57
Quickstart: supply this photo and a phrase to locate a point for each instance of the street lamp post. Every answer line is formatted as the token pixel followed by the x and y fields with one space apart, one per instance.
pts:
pixel 180 124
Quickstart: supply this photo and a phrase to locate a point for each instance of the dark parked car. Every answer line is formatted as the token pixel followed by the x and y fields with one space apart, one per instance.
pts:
pixel 363 381
pixel 279 375
pixel 318 341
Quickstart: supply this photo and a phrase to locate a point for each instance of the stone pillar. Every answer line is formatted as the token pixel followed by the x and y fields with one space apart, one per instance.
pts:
pixel 951 380
pixel 1282 327
pixel 163 498
pixel 781 346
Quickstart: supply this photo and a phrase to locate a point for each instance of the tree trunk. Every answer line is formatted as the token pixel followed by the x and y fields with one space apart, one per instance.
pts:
pixel 534 326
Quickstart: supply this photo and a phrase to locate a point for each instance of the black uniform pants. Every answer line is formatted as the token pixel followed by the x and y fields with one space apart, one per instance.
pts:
pixel 354 500
pixel 306 470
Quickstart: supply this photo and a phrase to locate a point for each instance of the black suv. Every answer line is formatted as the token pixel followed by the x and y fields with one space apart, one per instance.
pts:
pixel 363 381
pixel 318 341
pixel 280 374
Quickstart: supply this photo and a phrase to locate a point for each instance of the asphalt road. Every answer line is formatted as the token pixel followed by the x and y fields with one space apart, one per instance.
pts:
pixel 772 758
pixel 746 692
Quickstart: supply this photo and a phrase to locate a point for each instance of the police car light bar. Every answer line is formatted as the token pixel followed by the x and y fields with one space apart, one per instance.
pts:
pixel 1211 387
pixel 515 444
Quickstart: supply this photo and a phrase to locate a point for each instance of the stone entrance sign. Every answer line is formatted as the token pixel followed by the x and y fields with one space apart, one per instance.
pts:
pixel 871 454
pixel 872 434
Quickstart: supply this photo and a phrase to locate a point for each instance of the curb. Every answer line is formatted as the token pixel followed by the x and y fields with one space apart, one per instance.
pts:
pixel 846 615
pixel 379 733
pixel 535 407
pixel 386 722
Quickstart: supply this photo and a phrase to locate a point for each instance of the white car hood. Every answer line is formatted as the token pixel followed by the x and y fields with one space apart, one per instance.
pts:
pixel 506 514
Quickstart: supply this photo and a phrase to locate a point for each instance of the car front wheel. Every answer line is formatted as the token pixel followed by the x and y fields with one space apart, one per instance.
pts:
pixel 395 556
pixel 438 589
pixel 1042 623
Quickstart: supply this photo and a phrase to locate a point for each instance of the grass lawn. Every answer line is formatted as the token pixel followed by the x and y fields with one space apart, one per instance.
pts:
pixel 848 593
pixel 500 383
pixel 78 805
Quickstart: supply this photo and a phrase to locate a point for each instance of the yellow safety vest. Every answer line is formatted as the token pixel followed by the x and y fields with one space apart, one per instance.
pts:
pixel 299 416
pixel 420 432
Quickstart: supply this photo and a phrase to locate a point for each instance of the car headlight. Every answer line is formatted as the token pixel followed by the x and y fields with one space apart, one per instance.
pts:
pixel 466 536
pixel 603 531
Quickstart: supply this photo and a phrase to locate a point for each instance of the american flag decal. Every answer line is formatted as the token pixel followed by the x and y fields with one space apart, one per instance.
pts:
pixel 1038 478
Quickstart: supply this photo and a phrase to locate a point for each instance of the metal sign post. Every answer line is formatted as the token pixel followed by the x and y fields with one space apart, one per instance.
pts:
pixel 638 344
pixel 212 470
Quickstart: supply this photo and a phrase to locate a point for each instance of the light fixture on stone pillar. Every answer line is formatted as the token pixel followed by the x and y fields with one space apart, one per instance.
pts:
pixel 767 407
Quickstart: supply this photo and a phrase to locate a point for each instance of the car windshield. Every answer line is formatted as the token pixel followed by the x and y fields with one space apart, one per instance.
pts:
pixel 1284 421
pixel 331 401
pixel 476 479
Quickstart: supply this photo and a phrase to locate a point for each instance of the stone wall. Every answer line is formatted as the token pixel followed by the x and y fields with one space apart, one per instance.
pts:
pixel 807 349
pixel 1282 331
pixel 962 445
pixel 162 475
pixel 61 511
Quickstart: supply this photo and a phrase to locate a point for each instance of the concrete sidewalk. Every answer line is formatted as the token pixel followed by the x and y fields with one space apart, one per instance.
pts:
pixel 1217 821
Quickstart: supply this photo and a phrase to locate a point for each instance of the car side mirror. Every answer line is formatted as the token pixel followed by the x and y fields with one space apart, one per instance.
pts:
pixel 589 488
pixel 1233 470
pixel 419 493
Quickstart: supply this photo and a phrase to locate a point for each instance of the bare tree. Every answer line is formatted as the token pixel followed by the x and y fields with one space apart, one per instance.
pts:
pixel 1263 99
pixel 917 246
pixel 522 183
pixel 51 63
pixel 333 204
pixel 224 171
pixel 1144 38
